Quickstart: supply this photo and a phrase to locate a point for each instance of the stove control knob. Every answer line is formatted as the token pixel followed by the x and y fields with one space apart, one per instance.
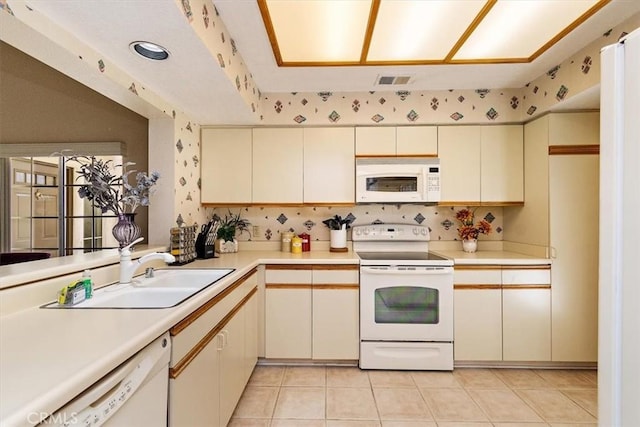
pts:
pixel 415 231
pixel 366 231
pixel 423 231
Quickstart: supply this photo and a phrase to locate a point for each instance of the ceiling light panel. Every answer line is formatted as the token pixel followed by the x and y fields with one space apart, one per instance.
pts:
pixel 517 29
pixel 408 30
pixel 320 30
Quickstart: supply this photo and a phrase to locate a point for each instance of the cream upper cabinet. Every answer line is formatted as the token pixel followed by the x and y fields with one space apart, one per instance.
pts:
pixel 417 140
pixel 501 164
pixel 277 165
pixel 226 158
pixel 481 164
pixel 459 153
pixel 329 165
pixel 376 141
pixel 397 141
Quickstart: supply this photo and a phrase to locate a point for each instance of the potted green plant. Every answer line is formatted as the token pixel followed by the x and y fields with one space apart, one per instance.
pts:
pixel 228 227
pixel 338 232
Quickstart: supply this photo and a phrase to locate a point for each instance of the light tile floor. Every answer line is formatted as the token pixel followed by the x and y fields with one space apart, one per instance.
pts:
pixel 301 396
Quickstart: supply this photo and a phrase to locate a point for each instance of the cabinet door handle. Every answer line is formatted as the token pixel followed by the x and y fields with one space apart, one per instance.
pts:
pixel 553 252
pixel 225 338
pixel 221 341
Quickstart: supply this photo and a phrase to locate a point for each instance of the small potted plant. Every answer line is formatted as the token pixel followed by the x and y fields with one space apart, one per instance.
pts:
pixel 338 229
pixel 226 236
pixel 469 232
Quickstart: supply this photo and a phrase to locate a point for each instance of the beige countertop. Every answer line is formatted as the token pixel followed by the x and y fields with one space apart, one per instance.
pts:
pixel 492 258
pixel 49 356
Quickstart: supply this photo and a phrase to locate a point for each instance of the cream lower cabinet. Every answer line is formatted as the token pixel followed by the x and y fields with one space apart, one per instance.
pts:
pixel 477 314
pixel 502 314
pixel 210 357
pixel 526 314
pixel 288 311
pixel 336 306
pixel 312 312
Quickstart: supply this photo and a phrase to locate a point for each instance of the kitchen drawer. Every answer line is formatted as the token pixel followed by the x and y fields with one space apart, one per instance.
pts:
pixel 288 274
pixel 526 276
pixel 477 275
pixel 336 275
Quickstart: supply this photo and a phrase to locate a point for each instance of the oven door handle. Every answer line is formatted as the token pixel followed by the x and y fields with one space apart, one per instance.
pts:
pixel 396 271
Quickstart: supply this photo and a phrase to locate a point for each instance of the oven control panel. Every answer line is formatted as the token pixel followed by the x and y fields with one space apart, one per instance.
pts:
pixel 390 232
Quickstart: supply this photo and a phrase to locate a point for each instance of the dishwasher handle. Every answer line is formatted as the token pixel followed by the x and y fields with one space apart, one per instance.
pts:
pixel 102 400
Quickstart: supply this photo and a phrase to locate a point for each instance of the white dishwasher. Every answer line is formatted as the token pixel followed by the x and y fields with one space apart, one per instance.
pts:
pixel 132 395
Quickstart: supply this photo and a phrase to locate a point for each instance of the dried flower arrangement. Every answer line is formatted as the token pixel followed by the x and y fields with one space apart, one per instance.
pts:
pixel 111 192
pixel 469 231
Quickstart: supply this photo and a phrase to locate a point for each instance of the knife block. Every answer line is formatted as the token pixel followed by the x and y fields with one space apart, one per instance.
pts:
pixel 204 250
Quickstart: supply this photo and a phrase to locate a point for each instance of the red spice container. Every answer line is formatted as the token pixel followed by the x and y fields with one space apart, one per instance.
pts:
pixel 306 242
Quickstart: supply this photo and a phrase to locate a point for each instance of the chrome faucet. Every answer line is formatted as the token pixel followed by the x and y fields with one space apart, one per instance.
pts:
pixel 129 267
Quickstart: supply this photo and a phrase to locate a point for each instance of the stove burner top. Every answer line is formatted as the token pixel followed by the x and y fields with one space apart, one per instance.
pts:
pixel 400 256
pixel 424 259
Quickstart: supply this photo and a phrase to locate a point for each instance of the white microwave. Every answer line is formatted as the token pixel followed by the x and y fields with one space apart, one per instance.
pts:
pixel 397 180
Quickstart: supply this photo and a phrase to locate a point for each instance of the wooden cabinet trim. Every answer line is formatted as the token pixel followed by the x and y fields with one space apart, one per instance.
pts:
pixel 479 203
pixel 277 204
pixel 527 286
pixel 559 150
pixel 339 286
pixel 177 369
pixel 394 156
pixel 337 267
pixel 477 267
pixel 288 285
pixel 502 267
pixel 184 323
pixel 479 286
pixel 484 287
pixel 288 267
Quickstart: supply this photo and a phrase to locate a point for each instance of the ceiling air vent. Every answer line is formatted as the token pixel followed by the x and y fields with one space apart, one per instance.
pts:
pixel 393 80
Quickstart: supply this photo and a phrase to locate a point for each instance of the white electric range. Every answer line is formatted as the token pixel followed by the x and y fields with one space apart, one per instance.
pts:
pixel 406 299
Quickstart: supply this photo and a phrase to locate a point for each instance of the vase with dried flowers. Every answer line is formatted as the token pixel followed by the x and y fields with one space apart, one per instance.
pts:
pixel 468 231
pixel 115 193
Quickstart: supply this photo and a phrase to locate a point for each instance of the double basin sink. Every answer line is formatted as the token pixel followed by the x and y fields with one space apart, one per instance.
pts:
pixel 167 288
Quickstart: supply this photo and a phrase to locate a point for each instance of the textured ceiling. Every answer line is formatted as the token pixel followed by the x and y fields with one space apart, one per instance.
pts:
pixel 193 81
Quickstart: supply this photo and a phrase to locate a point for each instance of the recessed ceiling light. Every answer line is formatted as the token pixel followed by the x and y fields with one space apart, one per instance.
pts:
pixel 150 50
